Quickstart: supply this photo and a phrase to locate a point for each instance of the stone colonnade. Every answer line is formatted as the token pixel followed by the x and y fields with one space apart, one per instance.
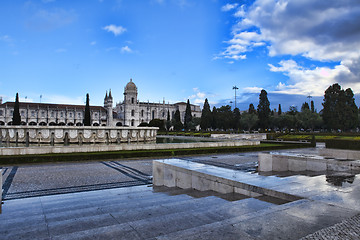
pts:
pixel 66 135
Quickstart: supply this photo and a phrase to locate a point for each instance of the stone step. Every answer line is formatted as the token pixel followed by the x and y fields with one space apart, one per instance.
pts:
pixel 228 228
pixel 81 223
pixel 30 212
pixel 166 218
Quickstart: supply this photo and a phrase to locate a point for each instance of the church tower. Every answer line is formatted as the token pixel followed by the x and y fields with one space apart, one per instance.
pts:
pixel 108 103
pixel 131 107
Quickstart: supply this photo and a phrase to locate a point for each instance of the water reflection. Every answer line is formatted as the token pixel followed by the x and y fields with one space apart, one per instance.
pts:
pixel 340 179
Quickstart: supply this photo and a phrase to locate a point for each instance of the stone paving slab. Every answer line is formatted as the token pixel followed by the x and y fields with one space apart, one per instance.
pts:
pixel 348 229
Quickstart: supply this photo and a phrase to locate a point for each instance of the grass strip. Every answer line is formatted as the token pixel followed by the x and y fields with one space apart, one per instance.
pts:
pixel 68 157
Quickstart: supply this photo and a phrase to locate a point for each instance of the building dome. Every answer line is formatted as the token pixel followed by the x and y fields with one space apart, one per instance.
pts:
pixel 130 87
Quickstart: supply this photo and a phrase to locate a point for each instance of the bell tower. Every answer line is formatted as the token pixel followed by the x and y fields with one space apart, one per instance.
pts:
pixel 108 102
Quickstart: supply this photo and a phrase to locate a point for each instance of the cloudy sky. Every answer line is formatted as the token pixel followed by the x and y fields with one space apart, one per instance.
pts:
pixel 179 49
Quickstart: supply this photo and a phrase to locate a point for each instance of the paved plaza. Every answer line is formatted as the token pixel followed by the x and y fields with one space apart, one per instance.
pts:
pixel 115 199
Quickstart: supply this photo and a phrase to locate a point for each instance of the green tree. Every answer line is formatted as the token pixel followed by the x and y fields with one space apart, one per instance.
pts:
pixel 308 120
pixel 248 120
pixel 305 106
pixel 168 122
pixel 87 117
pixel 206 116
pixel 251 109
pixel 195 122
pixel 177 121
pixel 188 116
pixel 214 118
pixel 350 116
pixel 339 108
pixel 157 123
pixel 225 117
pixel 312 106
pixel 279 111
pixel 263 110
pixel 16 119
pixel 236 117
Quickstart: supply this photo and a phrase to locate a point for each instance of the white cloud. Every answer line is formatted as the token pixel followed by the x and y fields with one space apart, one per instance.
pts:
pixel 116 30
pixel 126 49
pixel 93 43
pixel 198 97
pixel 327 31
pixel 313 81
pixel 228 7
pixel 252 89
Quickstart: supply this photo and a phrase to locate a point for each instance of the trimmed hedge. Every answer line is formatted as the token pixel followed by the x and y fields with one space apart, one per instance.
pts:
pixel 141 153
pixel 343 144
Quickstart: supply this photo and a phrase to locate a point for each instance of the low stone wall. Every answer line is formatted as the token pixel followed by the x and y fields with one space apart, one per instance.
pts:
pixel 269 162
pixel 339 153
pixel 117 147
pixel 66 135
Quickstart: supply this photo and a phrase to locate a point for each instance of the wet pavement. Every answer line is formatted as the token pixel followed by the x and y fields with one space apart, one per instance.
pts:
pixel 100 200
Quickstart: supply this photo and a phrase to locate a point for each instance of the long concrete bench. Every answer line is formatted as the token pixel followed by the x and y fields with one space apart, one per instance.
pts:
pixel 203 177
pixel 279 162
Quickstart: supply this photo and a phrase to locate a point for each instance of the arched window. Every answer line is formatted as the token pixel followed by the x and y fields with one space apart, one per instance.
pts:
pixel 132 113
pixel 132 122
pixel 132 100
pixel 153 114
pixel 142 113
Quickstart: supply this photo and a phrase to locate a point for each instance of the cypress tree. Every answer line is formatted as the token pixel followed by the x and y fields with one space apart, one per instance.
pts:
pixel 16 119
pixel 312 106
pixel 87 117
pixel 168 122
pixel 177 121
pixel 263 110
pixel 206 117
pixel 214 122
pixel 188 116
pixel 279 112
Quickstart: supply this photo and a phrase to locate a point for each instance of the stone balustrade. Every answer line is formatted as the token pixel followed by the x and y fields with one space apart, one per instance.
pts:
pixel 66 134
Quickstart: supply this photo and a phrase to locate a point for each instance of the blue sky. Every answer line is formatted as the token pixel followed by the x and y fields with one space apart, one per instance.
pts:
pixel 178 50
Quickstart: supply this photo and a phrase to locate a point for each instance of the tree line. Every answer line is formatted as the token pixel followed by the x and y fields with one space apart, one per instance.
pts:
pixel 339 113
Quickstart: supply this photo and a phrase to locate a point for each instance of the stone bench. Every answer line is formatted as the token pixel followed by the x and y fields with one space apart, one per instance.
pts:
pixel 276 162
pixel 203 177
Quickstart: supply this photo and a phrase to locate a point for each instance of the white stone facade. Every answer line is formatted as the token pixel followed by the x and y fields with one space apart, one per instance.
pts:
pixel 130 112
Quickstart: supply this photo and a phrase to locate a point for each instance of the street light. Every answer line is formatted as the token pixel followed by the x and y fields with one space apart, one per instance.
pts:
pixel 235 88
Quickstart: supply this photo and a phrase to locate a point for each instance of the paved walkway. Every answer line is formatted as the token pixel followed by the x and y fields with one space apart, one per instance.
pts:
pixel 141 212
pixel 347 229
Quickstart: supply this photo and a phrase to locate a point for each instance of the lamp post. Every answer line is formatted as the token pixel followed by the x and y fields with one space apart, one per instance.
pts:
pixel 235 88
